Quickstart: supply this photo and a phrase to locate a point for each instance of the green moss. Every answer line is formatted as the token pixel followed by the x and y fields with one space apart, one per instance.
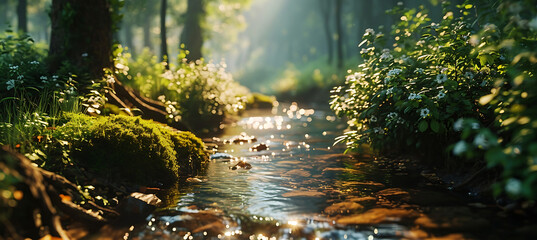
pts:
pixel 259 100
pixel 132 149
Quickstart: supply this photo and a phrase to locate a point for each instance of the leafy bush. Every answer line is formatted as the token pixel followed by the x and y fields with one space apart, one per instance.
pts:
pixel 508 41
pixel 408 98
pixel 126 148
pixel 30 97
pixel 199 93
pixel 468 90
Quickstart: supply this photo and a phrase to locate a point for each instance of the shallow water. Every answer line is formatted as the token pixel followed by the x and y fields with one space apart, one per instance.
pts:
pixel 303 187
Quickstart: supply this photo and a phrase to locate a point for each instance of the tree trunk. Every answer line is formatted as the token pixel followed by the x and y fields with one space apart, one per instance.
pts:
pixel 325 7
pixel 84 27
pixel 192 36
pixel 22 15
pixel 3 13
pixel 81 35
pixel 146 27
pixel 339 31
pixel 163 41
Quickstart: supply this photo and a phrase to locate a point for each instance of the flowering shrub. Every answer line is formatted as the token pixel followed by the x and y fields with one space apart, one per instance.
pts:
pixel 508 41
pixel 468 90
pixel 199 93
pixel 408 98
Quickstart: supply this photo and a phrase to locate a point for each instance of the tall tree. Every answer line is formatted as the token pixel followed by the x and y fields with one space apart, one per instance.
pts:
pixel 163 40
pixel 81 34
pixel 3 13
pixel 82 37
pixel 326 9
pixel 339 32
pixel 22 15
pixel 192 35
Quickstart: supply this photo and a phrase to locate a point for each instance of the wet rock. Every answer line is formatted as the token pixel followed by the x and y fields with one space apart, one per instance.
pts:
pixel 394 194
pixel 459 218
pixel 149 190
pixel 363 200
pixel 221 156
pixel 259 147
pixel 378 215
pixel 303 193
pixel 297 172
pixel 241 164
pixel 242 138
pixel 194 180
pixel 343 208
pixel 138 206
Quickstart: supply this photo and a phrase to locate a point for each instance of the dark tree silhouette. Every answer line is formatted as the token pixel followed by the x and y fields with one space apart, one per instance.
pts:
pixel 326 10
pixel 22 15
pixel 192 35
pixel 339 31
pixel 163 41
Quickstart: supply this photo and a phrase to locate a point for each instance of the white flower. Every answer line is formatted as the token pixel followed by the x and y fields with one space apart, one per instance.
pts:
pixel 55 77
pixel 387 80
pixel 533 24
pixel 13 67
pixel 440 78
pixel 424 112
pixel 457 126
pixel 418 70
pixel 10 84
pixel 369 31
pixel 469 75
pixel 413 96
pixel 389 90
pixel 84 54
pixel 378 130
pixel 513 186
pixel 474 40
pixel 481 141
pixel 394 72
pixel 34 62
pixel 373 119
pixel 440 95
pixel 385 56
pixel 110 79
pixel 392 115
pixel 460 148
pixel 435 25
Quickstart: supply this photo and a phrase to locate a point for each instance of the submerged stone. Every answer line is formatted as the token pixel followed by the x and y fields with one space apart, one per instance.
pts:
pixel 378 215
pixel 343 208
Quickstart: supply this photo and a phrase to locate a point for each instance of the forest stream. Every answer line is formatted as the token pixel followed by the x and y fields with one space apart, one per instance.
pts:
pixel 303 187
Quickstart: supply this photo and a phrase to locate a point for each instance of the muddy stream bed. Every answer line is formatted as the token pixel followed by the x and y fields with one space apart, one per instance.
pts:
pixel 303 187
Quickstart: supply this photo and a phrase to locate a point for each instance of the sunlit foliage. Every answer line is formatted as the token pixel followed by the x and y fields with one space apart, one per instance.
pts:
pixel 445 81
pixel 199 93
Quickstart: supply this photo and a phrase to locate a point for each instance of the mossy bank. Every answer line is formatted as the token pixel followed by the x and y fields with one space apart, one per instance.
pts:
pixel 130 149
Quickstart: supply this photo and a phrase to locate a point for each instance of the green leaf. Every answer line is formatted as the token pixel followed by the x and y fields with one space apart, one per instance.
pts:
pixel 423 125
pixel 435 126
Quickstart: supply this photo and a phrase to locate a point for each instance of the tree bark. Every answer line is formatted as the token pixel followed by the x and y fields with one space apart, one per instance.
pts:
pixel 192 35
pixel 163 40
pixel 81 35
pixel 22 15
pixel 339 31
pixel 81 28
pixel 325 7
